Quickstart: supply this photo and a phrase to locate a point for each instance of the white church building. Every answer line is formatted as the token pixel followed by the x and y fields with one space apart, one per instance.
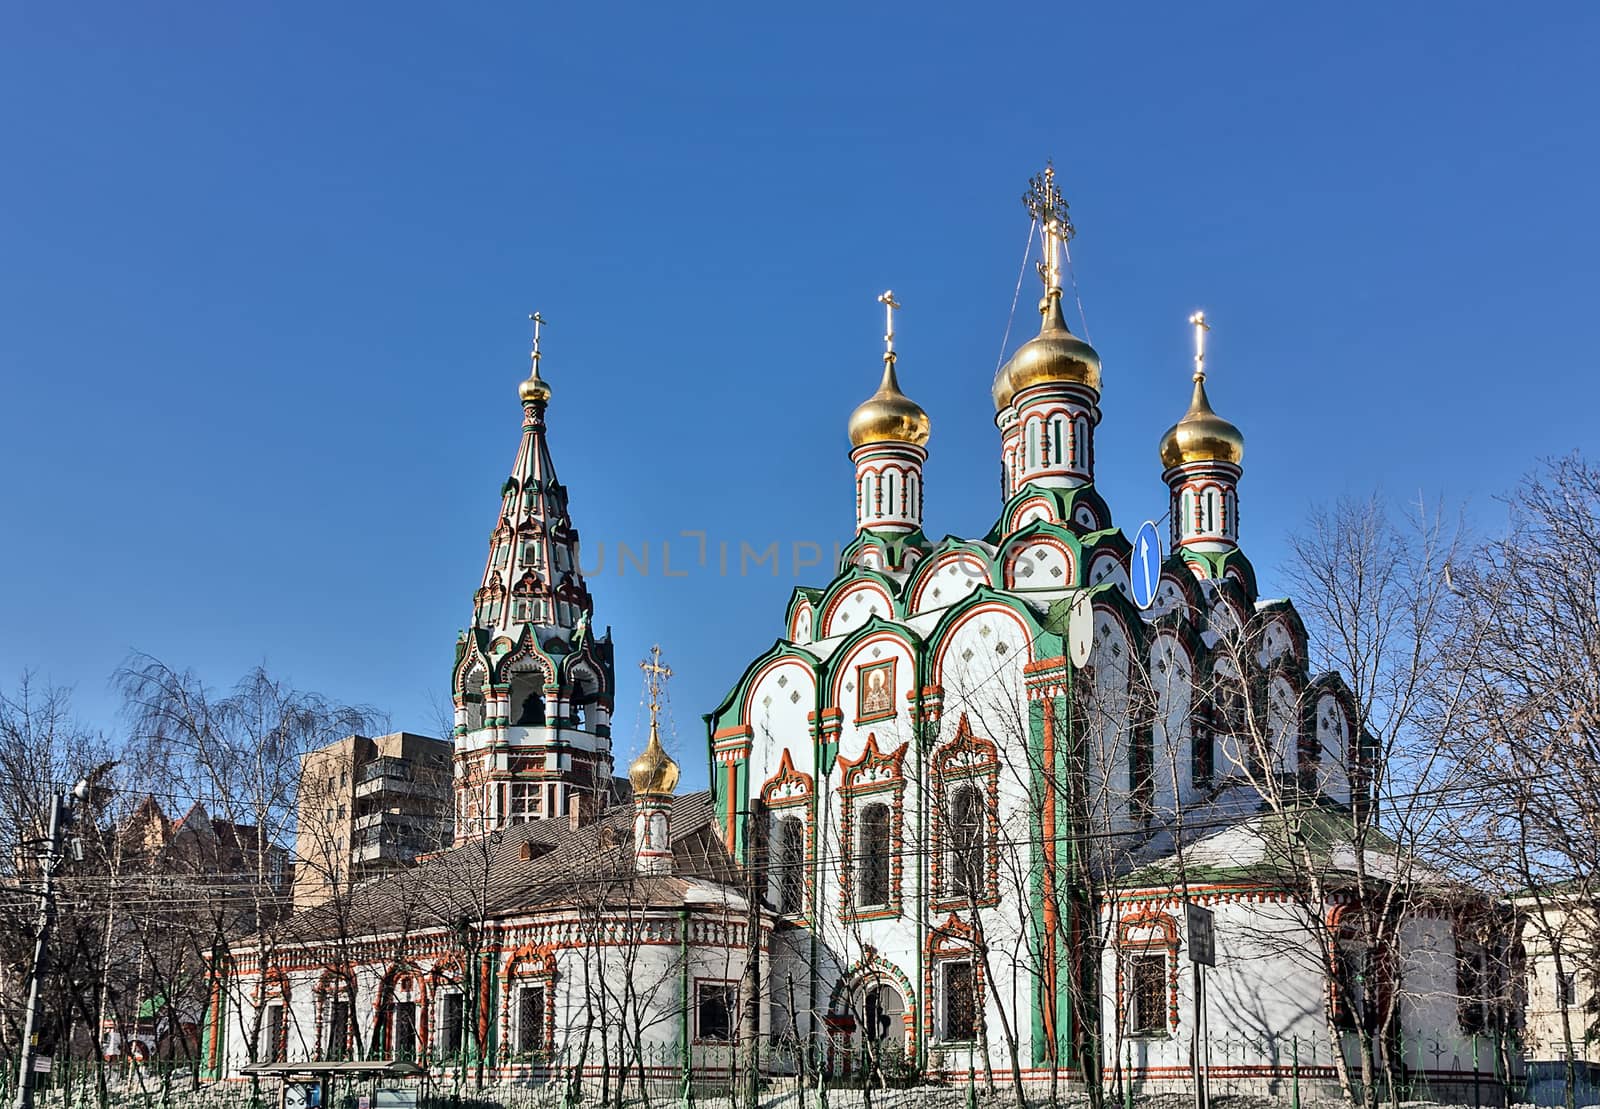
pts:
pixel 961 813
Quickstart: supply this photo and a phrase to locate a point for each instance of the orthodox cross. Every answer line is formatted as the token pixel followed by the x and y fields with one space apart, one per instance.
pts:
pixel 538 323
pixel 1049 210
pixel 1200 329
pixel 655 675
pixel 889 305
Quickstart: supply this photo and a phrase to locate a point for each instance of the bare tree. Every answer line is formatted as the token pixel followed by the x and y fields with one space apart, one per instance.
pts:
pixel 237 755
pixel 1532 597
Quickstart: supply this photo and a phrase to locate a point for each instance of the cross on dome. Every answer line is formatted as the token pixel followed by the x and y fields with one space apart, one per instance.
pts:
pixel 1049 210
pixel 889 305
pixel 1200 329
pixel 535 390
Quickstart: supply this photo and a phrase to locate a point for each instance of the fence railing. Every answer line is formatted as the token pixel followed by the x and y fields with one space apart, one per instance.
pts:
pixel 1286 1069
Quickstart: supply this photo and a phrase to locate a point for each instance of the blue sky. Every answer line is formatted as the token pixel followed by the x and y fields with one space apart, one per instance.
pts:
pixel 265 272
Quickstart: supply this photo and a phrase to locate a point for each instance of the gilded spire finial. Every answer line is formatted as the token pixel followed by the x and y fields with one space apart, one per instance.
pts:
pixel 1200 329
pixel 1049 210
pixel 889 305
pixel 535 390
pixel 655 675
pixel 538 324
pixel 653 772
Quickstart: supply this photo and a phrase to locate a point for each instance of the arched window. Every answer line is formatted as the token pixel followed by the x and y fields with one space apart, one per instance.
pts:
pixel 888 492
pixel 527 699
pixel 1055 441
pixel 872 854
pixel 966 841
pixel 1211 511
pixel 790 862
pixel 1033 443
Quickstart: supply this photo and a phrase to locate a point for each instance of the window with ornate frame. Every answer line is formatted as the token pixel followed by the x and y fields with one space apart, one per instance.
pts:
pixel 966 825
pixel 1146 975
pixel 958 1001
pixel 530 1018
pixel 787 796
pixel 1148 939
pixel 953 979
pixel 871 818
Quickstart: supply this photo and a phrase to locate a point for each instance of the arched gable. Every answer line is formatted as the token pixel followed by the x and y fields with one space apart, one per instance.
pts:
pixel 947 575
pixel 734 710
pixel 1040 562
pixel 472 670
pixel 526 657
pixel 1280 634
pixel 985 603
pixel 875 631
pixel 855 599
pixel 800 622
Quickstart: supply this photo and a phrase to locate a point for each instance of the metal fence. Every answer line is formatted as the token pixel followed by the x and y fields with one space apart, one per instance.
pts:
pixel 1288 1071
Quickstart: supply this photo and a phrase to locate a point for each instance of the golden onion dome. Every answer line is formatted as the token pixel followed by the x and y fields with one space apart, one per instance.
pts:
pixel 653 771
pixel 889 416
pixel 1202 435
pixel 535 390
pixel 1053 355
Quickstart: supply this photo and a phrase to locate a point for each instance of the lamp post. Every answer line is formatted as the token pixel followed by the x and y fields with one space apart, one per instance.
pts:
pixel 61 811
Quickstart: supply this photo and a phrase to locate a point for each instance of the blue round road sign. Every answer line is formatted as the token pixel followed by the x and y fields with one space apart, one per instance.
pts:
pixel 1144 565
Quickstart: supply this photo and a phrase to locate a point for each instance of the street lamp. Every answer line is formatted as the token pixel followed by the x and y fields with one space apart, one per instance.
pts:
pixel 61 814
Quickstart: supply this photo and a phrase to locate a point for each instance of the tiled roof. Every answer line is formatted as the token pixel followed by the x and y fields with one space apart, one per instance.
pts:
pixel 489 878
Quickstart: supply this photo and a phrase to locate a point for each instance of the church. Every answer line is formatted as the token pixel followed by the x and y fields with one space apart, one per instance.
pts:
pixel 991 787
pixel 966 814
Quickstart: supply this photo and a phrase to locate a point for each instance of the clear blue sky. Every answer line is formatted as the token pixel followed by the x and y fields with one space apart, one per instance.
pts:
pixel 264 274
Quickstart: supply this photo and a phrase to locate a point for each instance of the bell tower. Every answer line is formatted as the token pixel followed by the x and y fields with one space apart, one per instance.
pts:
pixel 533 686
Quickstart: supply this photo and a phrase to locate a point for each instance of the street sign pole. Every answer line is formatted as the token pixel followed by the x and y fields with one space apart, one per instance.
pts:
pixel 1202 953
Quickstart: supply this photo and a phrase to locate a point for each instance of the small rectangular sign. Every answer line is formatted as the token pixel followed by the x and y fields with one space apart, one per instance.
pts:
pixel 1202 937
pixel 41 1064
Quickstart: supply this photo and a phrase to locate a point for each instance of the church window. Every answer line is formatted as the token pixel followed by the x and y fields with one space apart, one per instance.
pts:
pixel 277 1033
pixel 450 1024
pixel 1055 439
pixel 791 865
pixel 1147 994
pixel 1567 988
pixel 1232 717
pixel 405 1030
pixel 337 1036
pixel 502 554
pixel 524 802
pixel 530 1019
pixel 1353 971
pixel 526 708
pixel 872 855
pixel 960 1001
pixel 888 480
pixel 1202 752
pixel 966 841
pixel 1082 445
pixel 1033 444
pixel 714 1005
pixel 1471 987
